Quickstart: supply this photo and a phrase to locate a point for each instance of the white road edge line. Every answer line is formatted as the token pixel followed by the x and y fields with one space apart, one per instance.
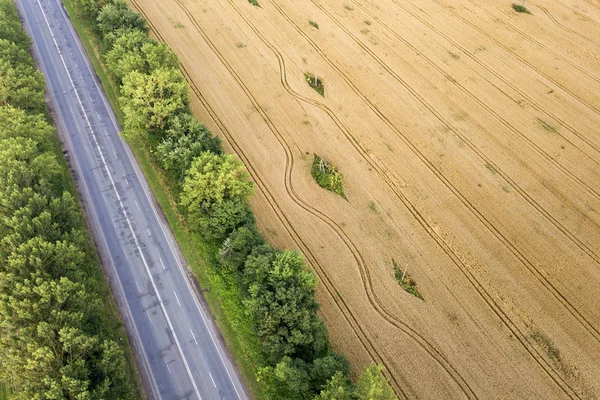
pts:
pixel 112 117
pixel 88 195
pixel 177 298
pixel 162 306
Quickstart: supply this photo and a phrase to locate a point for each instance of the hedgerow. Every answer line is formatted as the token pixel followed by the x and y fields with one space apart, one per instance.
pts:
pixel 272 290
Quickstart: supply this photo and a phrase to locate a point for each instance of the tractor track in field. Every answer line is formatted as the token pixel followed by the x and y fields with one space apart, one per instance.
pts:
pixel 365 274
pixel 517 56
pixel 565 28
pixel 518 254
pixel 326 281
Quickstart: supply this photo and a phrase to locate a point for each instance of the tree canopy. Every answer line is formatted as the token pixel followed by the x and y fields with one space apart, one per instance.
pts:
pixel 135 51
pixel 54 337
pixel 149 100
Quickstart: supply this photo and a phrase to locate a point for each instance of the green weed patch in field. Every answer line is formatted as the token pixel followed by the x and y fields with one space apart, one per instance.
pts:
pixel 520 8
pixel 315 83
pixel 327 175
pixel 405 281
pixel 545 342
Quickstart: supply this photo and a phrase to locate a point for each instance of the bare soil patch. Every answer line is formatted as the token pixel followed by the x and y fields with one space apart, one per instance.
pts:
pixel 467 135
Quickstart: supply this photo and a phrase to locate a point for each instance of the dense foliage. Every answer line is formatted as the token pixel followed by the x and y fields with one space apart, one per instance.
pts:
pixel 276 290
pixel 327 175
pixel 56 338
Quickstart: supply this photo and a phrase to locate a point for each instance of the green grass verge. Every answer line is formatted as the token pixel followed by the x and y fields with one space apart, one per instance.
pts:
pixel 220 292
pixel 405 281
pixel 3 392
pixel 315 83
pixel 110 311
pixel 327 175
pixel 520 8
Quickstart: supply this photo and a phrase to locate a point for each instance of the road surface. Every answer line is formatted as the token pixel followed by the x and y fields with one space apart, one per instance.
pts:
pixel 177 345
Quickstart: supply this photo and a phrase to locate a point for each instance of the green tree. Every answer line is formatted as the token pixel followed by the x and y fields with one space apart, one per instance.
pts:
pixel 324 368
pixel 10 25
pixel 338 387
pixel 16 123
pixel 186 140
pixel 214 195
pixel 135 51
pixel 23 165
pixel 90 9
pixel 213 178
pixel 218 220
pixel 21 86
pixel 117 15
pixel 237 247
pixel 149 100
pixel 14 53
pixel 281 298
pixel 372 385
pixel 289 379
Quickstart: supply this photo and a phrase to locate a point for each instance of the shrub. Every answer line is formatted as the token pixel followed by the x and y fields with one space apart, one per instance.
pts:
pixel 520 8
pixel 327 175
pixel 406 282
pixel 315 83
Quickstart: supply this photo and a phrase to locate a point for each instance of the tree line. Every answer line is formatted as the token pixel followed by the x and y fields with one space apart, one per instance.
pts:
pixel 296 360
pixel 57 341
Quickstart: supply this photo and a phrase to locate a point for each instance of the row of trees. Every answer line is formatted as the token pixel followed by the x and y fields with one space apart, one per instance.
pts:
pixel 56 339
pixel 278 290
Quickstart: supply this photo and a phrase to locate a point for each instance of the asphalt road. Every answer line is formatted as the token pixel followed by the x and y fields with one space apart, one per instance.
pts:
pixel 177 345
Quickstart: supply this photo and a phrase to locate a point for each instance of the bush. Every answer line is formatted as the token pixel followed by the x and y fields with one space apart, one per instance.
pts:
pixel 237 247
pixel 327 175
pixel 186 139
pixel 117 15
pixel 520 8
pixel 215 222
pixel 315 82
pixel 133 50
pixel 149 100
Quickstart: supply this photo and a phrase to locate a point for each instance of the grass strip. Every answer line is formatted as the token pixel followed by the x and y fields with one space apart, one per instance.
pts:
pixel 220 292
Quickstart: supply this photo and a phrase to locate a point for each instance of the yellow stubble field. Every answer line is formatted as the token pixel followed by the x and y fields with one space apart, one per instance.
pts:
pixel 468 136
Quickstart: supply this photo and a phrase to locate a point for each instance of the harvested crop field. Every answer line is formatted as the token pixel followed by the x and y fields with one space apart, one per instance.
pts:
pixel 468 137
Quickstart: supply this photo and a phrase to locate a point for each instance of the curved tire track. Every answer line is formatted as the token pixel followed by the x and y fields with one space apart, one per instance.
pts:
pixel 359 260
pixel 518 57
pixel 342 306
pixel 515 251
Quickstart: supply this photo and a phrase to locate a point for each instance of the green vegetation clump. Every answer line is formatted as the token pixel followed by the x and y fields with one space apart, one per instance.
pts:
pixel 327 175
pixel 520 8
pixel 545 342
pixel 313 24
pixel 58 337
pixel 254 3
pixel 204 194
pixel 315 83
pixel 405 281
